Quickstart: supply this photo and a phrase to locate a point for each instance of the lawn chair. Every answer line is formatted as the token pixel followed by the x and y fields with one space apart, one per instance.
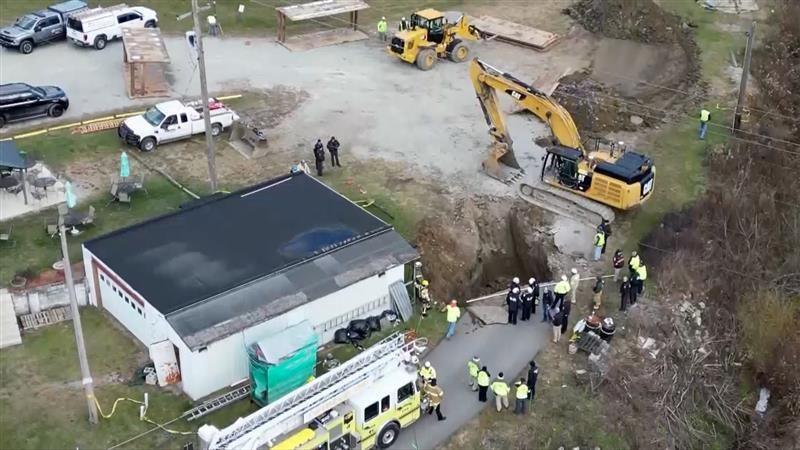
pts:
pixel 114 189
pixel 88 220
pixel 51 228
pixel 37 194
pixel 5 238
pixel 15 189
pixel 124 197
pixel 140 184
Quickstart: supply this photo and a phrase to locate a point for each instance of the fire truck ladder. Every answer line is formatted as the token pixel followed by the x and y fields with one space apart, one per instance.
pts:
pixel 314 398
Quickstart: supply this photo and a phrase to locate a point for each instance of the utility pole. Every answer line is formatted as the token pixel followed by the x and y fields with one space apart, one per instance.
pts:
pixel 748 53
pixel 86 374
pixel 201 63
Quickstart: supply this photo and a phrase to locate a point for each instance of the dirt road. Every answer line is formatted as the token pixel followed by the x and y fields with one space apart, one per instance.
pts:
pixel 377 106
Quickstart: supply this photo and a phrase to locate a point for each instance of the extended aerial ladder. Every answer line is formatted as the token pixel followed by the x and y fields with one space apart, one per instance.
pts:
pixel 301 406
pixel 575 179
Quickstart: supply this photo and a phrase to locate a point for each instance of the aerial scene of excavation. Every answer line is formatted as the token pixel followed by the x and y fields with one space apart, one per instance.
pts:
pixel 405 224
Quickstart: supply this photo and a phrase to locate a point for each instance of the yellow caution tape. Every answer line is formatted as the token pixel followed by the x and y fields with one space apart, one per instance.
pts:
pixel 97 120
pixel 61 127
pixel 230 97
pixel 135 113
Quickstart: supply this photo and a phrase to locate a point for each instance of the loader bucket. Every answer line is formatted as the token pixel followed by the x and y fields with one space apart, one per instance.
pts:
pixel 248 139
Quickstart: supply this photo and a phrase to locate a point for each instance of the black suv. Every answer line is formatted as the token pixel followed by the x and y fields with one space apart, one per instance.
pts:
pixel 19 101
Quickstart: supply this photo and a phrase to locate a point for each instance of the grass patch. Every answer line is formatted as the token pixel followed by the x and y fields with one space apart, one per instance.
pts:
pixel 37 251
pixel 59 148
pixel 258 17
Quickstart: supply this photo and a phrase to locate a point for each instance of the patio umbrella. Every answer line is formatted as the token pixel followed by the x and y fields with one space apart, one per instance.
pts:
pixel 124 166
pixel 70 196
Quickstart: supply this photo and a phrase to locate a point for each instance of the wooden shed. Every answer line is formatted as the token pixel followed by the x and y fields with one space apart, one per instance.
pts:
pixel 317 10
pixel 145 60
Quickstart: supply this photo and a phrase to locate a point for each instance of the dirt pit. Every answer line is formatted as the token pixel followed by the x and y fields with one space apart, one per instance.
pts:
pixel 481 243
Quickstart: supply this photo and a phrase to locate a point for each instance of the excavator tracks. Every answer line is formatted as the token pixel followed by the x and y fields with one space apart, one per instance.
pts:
pixel 564 203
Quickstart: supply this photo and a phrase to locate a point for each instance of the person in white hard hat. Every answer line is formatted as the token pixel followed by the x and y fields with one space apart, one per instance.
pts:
pixel 427 372
pixel 514 283
pixel 512 302
pixel 574 281
pixel 561 289
pixel 213 26
pixel 404 25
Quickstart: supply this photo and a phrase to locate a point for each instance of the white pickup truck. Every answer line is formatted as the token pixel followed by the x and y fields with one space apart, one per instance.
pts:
pixel 172 121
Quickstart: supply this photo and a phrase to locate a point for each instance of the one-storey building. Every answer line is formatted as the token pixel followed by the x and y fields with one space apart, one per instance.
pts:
pixel 223 272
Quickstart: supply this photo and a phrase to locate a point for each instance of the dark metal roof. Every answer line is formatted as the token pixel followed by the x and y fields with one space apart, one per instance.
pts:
pixel 566 152
pixel 179 260
pixel 276 294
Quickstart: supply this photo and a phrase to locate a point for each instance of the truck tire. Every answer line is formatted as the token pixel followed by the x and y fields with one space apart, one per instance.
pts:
pixel 100 42
pixel 426 59
pixel 147 144
pixel 459 53
pixel 55 110
pixel 388 435
pixel 216 129
pixel 150 24
pixel 26 47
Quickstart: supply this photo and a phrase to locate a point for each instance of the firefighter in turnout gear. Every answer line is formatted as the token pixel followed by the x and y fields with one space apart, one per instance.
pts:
pixel 424 297
pixel 434 394
pixel 427 373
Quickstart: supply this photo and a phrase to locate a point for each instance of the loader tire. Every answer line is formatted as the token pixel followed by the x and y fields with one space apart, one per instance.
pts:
pixel 460 53
pixel 426 59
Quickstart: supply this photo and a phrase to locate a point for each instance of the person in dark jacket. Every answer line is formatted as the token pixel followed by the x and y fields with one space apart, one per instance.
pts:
pixel 513 284
pixel 565 310
pixel 624 294
pixel 618 260
pixel 533 375
pixel 333 148
pixel 483 383
pixel 526 301
pixel 534 285
pixel 605 228
pixel 319 156
pixel 634 292
pixel 597 290
pixel 547 301
pixel 512 301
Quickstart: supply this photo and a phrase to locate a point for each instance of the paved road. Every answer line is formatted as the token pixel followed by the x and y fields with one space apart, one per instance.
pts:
pixel 501 348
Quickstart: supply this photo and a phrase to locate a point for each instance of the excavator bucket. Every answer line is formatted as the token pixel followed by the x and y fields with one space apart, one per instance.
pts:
pixel 248 139
pixel 499 161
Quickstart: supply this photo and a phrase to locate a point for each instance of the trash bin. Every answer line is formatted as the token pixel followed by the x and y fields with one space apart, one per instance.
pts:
pixel 607 329
pixel 592 324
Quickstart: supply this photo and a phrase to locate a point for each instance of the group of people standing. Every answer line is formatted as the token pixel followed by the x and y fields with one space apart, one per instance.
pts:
pixel 632 286
pixel 319 154
pixel 524 389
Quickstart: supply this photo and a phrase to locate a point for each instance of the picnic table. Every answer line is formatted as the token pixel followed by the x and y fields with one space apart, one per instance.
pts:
pixel 72 219
pixel 121 190
pixel 43 182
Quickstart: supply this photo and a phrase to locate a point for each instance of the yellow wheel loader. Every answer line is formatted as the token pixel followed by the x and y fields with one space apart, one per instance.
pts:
pixel 434 35
pixel 610 175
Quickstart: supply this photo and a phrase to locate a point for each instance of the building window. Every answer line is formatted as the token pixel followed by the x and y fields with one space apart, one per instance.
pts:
pixel 102 277
pixel 126 299
pixel 139 310
pixel 115 289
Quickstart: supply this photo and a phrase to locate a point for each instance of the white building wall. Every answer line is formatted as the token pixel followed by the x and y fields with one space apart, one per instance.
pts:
pixel 224 362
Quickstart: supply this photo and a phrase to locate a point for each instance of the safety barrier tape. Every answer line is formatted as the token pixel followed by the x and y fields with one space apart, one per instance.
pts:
pixel 95 120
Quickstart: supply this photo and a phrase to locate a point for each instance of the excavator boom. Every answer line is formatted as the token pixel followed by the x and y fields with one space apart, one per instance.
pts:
pixel 487 80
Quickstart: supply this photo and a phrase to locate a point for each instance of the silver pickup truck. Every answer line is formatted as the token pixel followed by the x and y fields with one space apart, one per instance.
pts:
pixel 39 27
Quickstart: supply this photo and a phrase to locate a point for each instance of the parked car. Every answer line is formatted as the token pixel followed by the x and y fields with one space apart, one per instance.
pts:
pixel 39 27
pixel 20 101
pixel 95 27
pixel 172 121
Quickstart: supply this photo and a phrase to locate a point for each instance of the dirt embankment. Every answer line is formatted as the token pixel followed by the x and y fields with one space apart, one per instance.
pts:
pixel 632 82
pixel 478 246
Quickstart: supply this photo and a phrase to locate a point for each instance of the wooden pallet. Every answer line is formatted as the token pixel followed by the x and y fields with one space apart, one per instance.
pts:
pixel 514 33
pixel 94 127
pixel 40 319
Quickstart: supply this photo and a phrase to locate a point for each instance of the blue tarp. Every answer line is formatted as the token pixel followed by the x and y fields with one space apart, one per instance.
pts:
pixel 10 157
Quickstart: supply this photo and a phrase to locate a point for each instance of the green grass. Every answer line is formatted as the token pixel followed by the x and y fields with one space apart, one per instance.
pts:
pixel 257 19
pixel 35 250
pixel 59 148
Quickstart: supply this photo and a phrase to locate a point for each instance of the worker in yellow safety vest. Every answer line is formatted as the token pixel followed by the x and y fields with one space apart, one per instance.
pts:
pixel 641 276
pixel 472 369
pixel 521 396
pixel 453 313
pixel 483 383
pixel 633 263
pixel 561 289
pixel 705 116
pixel 599 242
pixel 427 373
pixel 382 29
pixel 500 390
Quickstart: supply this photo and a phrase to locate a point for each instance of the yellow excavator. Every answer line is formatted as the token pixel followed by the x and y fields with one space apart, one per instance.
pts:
pixel 434 35
pixel 611 175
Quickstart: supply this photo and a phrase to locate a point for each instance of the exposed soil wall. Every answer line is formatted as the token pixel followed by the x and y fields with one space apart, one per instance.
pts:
pixel 478 246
